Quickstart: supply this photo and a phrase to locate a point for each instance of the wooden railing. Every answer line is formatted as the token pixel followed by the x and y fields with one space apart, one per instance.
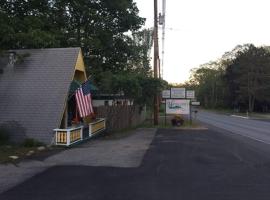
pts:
pixel 97 126
pixel 69 136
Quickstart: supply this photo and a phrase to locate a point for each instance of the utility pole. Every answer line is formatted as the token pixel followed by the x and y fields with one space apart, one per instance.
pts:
pixel 156 52
pixel 163 35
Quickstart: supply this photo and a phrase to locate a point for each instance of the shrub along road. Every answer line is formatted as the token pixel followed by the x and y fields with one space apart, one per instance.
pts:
pixel 180 164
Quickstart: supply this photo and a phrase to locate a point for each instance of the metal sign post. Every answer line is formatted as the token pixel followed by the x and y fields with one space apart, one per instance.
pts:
pixel 166 94
pixel 165 113
pixel 190 114
pixel 178 101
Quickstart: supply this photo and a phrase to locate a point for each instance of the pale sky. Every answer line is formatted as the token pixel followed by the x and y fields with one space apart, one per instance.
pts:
pixel 199 31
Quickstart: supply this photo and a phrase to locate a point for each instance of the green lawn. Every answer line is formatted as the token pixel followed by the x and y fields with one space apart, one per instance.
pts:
pixel 148 123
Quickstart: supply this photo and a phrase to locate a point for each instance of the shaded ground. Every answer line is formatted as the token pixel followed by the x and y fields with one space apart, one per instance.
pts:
pixel 179 164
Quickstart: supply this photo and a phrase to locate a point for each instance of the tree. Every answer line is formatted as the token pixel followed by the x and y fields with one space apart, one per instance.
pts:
pixel 134 86
pixel 208 83
pixel 116 51
pixel 248 76
pixel 27 24
pixel 240 79
pixel 99 27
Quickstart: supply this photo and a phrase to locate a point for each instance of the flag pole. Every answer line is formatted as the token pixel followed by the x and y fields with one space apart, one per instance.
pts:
pixel 79 87
pixel 76 115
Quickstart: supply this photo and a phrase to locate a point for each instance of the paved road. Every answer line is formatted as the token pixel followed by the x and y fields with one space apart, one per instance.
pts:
pixel 255 129
pixel 180 165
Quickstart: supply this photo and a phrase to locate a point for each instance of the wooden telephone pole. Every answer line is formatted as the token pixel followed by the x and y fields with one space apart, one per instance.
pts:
pixel 156 61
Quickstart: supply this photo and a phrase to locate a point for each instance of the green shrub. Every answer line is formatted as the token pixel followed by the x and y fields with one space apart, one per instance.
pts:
pixel 30 142
pixel 162 108
pixel 4 136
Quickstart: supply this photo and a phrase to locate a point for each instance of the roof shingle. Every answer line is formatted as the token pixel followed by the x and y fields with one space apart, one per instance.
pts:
pixel 34 91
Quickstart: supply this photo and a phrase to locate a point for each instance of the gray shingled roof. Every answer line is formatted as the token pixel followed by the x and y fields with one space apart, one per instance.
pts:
pixel 33 92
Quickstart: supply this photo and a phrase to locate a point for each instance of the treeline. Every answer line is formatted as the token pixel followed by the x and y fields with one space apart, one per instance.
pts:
pixel 108 31
pixel 240 80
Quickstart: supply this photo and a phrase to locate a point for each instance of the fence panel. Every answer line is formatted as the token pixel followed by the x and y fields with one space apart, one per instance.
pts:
pixel 121 116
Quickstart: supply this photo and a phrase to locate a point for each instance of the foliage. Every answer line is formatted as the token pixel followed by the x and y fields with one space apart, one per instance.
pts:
pixel 209 84
pixel 139 87
pixel 249 76
pixel 239 80
pixel 99 27
pixel 116 51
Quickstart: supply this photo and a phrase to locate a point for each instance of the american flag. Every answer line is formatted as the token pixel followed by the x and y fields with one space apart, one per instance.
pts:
pixel 84 100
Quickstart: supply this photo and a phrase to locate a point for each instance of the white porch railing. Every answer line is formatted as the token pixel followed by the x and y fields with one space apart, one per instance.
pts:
pixel 69 136
pixel 72 135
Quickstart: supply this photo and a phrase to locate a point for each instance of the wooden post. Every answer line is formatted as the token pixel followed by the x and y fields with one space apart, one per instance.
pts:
pixel 155 37
pixel 190 113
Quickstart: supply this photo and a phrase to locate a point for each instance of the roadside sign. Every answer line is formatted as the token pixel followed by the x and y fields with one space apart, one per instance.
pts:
pixel 178 93
pixel 166 94
pixel 195 103
pixel 190 94
pixel 178 106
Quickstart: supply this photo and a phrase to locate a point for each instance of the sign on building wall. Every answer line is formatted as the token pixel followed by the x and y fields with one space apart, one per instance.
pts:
pixel 166 94
pixel 190 94
pixel 177 106
pixel 178 93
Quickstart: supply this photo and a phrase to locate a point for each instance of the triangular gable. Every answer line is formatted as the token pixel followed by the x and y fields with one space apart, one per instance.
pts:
pixel 79 76
pixel 80 64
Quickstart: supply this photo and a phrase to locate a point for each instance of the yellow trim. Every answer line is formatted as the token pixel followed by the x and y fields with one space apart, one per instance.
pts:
pixel 79 65
pixel 62 137
pixel 75 135
pixel 98 126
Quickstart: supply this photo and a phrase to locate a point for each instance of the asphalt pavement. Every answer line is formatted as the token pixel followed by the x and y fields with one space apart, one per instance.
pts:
pixel 254 129
pixel 179 164
pixel 122 152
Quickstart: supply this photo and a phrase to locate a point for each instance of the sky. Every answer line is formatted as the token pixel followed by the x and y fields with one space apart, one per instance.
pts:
pixel 199 31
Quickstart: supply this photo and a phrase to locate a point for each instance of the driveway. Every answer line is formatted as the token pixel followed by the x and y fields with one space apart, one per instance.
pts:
pixel 179 164
pixel 124 152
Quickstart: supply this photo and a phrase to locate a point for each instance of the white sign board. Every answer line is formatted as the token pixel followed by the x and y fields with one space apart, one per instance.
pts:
pixel 195 103
pixel 178 93
pixel 190 94
pixel 177 106
pixel 166 94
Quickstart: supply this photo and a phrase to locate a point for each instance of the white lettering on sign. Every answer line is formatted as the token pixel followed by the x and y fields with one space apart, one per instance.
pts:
pixel 178 93
pixel 195 103
pixel 166 94
pixel 190 94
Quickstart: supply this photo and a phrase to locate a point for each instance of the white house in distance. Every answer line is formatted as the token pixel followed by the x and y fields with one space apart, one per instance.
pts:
pixel 111 100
